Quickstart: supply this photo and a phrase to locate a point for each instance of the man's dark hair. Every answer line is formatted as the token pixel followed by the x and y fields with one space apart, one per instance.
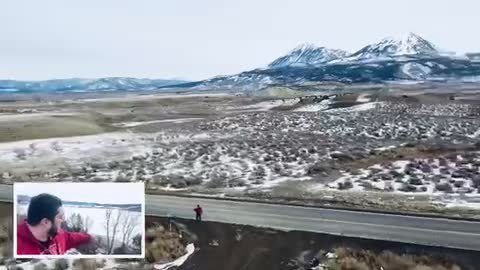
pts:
pixel 43 206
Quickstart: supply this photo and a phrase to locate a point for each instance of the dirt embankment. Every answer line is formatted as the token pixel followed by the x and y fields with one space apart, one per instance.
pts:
pixel 231 247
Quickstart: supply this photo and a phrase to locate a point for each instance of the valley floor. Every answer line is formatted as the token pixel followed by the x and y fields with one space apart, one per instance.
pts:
pixel 404 151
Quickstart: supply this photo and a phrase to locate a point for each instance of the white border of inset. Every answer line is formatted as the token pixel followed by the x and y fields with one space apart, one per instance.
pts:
pixel 82 256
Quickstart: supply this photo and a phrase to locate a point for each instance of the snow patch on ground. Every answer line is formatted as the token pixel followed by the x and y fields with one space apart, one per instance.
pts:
pixel 476 134
pixel 72 149
pixel 323 105
pixel 358 108
pixel 48 155
pixel 385 148
pixel 458 201
pixel 170 188
pixel 419 177
pixel 278 180
pixel 190 249
pixel 363 98
pixel 28 114
pixel 134 124
pixel 267 105
pixel 463 204
pixel 366 106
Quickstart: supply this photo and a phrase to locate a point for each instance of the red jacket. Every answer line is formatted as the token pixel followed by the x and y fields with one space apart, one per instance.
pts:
pixel 198 210
pixel 27 244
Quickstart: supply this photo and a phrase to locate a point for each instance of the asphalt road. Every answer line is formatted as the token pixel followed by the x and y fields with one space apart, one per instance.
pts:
pixel 400 228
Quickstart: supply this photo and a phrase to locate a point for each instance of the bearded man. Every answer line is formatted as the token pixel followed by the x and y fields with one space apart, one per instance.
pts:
pixel 41 232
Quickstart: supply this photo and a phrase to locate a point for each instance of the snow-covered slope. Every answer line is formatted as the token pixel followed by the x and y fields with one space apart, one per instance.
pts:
pixel 412 69
pixel 415 70
pixel 410 57
pixel 408 45
pixel 308 54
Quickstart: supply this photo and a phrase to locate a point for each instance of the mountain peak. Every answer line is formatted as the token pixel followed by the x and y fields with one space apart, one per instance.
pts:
pixel 411 43
pixel 406 37
pixel 305 47
pixel 308 54
pixel 408 44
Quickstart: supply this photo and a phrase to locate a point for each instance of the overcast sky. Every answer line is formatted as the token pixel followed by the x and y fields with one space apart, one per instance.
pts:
pixel 197 39
pixel 116 193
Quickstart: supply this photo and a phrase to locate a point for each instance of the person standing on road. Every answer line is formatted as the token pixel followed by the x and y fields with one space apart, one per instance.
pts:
pixel 198 212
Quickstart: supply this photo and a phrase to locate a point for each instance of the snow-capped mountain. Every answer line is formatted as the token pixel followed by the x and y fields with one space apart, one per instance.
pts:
pixel 410 44
pixel 84 85
pixel 390 47
pixel 410 57
pixel 308 54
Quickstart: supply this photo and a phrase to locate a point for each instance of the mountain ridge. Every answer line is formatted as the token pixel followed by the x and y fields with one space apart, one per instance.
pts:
pixel 84 85
pixel 308 54
pixel 409 58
